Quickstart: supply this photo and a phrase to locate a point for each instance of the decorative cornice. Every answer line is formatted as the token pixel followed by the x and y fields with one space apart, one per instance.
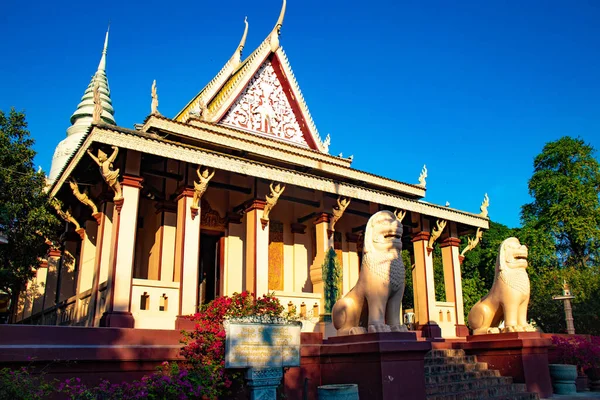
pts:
pixel 132 181
pixel 234 218
pixel 254 204
pixel 298 228
pixel 322 217
pixel 352 237
pixel 451 241
pixel 420 236
pixel 166 206
pixel 143 142
pixel 184 191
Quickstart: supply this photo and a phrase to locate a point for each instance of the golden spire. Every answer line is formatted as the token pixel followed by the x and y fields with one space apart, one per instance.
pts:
pixel 277 29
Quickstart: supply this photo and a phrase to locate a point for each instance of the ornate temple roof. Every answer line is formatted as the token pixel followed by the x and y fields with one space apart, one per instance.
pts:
pixel 81 119
pixel 259 94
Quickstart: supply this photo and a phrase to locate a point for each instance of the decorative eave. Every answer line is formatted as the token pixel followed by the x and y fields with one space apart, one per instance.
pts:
pixel 147 143
pixel 282 151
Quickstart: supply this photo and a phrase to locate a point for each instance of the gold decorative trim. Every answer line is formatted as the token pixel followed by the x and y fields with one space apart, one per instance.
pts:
pixel 82 197
pixel 484 206
pixel 473 242
pixel 160 147
pixel 252 143
pixel 435 234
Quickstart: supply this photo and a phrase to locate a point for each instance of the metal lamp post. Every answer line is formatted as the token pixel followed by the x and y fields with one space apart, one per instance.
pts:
pixel 566 298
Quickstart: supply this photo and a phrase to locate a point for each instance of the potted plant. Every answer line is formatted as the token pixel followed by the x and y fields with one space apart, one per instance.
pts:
pixel 581 352
pixel 564 375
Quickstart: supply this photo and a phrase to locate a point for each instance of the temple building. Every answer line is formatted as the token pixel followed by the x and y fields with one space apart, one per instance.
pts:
pixel 236 192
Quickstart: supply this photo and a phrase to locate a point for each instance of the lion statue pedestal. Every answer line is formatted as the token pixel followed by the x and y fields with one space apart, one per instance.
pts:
pixel 374 304
pixel 509 296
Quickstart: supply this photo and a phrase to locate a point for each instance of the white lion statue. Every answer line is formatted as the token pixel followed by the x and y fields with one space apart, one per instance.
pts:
pixel 374 304
pixel 509 296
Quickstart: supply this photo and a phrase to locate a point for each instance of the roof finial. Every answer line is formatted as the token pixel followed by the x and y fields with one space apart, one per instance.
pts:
pixel 243 41
pixel 277 29
pixel 102 65
pixel 236 58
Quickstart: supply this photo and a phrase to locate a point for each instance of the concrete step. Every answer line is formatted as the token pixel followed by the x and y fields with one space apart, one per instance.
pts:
pixel 451 360
pixel 500 383
pixel 461 376
pixel 483 395
pixel 445 353
pixel 454 368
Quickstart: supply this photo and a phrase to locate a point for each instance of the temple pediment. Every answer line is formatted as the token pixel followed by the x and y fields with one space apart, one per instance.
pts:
pixel 264 107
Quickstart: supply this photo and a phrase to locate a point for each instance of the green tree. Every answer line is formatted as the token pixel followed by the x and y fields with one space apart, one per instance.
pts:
pixel 26 219
pixel 332 276
pixel 478 267
pixel 561 229
pixel 565 186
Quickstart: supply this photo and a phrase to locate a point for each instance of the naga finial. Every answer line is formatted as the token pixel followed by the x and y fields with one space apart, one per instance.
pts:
pixel 277 29
pixel 436 232
pixel 484 206
pixel 326 143
pixel 423 176
pixel 472 242
pixel 65 215
pixel 82 196
pixel 400 214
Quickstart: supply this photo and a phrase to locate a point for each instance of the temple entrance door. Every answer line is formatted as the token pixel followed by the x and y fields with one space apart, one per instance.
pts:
pixel 211 260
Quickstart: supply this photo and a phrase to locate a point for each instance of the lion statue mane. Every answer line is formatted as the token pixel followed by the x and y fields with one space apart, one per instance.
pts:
pixel 509 296
pixel 373 305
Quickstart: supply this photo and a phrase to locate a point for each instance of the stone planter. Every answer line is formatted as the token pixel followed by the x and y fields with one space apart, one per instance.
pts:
pixel 338 392
pixel 563 378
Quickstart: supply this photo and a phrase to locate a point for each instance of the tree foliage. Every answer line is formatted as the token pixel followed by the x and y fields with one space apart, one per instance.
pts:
pixel 561 228
pixel 25 216
pixel 565 187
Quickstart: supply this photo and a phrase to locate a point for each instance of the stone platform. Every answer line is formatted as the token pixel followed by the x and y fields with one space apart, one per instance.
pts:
pixel 522 355
pixel 384 365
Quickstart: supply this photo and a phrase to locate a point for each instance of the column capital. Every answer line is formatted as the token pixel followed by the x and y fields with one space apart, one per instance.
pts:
pixel 132 180
pixel 450 241
pixel 234 218
pixel 166 206
pixel 322 217
pixel 254 204
pixel 184 191
pixel 54 253
pixel 352 237
pixel 298 228
pixel 420 236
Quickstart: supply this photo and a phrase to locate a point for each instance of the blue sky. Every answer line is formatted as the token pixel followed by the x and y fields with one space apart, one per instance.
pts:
pixel 473 89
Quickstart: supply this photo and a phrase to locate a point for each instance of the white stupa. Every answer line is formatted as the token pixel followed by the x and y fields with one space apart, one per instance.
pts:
pixel 82 117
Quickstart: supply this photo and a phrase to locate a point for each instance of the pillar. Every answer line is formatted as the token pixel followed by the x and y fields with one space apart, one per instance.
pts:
pixel 67 285
pixel 257 249
pixel 353 261
pixel 87 257
pixel 101 259
pixel 118 307
pixel 233 277
pixel 54 256
pixel 301 240
pixel 452 277
pixel 167 231
pixel 187 257
pixel 423 284
pixel 40 277
pixel 323 244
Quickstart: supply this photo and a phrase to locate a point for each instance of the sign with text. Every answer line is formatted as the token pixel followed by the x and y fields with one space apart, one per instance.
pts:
pixel 250 345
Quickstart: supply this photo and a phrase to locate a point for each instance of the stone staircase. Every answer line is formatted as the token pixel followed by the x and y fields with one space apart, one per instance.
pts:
pixel 452 375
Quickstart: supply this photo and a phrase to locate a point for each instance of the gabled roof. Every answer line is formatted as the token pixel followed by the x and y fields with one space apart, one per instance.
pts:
pixel 220 95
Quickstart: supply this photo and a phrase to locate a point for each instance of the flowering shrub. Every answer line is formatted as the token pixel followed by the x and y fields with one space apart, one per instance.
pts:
pixel 578 350
pixel 21 385
pixel 204 348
